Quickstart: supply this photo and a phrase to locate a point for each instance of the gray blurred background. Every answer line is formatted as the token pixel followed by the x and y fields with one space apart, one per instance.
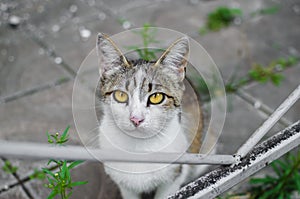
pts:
pixel 42 44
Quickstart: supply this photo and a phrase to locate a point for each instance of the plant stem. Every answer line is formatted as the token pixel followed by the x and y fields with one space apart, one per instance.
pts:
pixel 63 193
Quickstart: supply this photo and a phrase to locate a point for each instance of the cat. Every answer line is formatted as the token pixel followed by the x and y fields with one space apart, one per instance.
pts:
pixel 140 104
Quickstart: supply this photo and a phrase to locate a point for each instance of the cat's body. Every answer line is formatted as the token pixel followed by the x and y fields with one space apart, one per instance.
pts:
pixel 141 112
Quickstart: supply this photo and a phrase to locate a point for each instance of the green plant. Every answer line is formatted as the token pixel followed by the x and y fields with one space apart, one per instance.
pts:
pixel 283 184
pixel 220 18
pixel 9 168
pixel 60 182
pixel 37 174
pixel 262 74
pixel 147 33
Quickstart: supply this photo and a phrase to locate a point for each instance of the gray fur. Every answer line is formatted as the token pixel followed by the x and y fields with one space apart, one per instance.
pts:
pixel 140 79
pixel 165 75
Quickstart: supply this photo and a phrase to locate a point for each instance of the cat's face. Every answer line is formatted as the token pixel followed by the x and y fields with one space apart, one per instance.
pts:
pixel 140 97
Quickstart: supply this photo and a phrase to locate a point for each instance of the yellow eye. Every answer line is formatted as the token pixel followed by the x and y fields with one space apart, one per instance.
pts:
pixel 156 98
pixel 120 96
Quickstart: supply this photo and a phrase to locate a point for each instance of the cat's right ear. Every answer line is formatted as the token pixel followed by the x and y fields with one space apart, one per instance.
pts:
pixel 110 57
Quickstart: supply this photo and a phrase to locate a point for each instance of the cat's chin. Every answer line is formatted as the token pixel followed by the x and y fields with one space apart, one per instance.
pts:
pixel 138 133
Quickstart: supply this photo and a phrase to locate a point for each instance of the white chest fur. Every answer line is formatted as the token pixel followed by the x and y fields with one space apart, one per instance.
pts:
pixel 136 176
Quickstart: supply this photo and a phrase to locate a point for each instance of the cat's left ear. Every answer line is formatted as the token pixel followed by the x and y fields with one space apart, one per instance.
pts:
pixel 175 57
pixel 110 56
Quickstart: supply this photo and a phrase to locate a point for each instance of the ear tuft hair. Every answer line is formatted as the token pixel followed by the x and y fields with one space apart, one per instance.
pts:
pixel 175 57
pixel 110 56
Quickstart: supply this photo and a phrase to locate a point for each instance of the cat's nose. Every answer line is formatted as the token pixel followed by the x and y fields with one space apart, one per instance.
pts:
pixel 136 120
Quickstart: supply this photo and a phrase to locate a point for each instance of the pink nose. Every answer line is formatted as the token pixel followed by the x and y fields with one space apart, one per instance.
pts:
pixel 136 120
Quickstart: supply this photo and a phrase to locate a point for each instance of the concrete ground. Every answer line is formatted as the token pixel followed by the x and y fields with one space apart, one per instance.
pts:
pixel 42 44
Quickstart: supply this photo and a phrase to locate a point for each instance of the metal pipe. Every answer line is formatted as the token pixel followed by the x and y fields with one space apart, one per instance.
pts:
pixel 269 123
pixel 221 179
pixel 25 150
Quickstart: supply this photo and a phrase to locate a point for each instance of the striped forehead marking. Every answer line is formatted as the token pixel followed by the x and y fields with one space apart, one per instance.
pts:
pixel 136 82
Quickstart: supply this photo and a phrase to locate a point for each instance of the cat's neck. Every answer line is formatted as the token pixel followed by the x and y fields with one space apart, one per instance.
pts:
pixel 171 139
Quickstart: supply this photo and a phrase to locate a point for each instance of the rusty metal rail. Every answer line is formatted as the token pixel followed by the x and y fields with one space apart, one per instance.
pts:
pixel 221 179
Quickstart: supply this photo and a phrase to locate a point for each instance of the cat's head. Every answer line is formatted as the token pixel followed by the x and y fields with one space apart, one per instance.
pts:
pixel 141 97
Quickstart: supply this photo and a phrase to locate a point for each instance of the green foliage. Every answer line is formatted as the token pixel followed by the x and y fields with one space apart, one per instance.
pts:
pixel 263 74
pixel 38 174
pixel 283 184
pixel 220 18
pixel 9 168
pixel 61 182
pixel 147 33
pixel 57 139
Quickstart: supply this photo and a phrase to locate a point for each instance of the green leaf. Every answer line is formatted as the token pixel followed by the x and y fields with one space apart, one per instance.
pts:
pixel 265 180
pixel 281 195
pixel 140 53
pixel 52 160
pixel 278 187
pixel 276 169
pixel 49 138
pixel 9 168
pixel 276 79
pixel 255 73
pixel 63 170
pixel 152 55
pixel 47 171
pixel 37 174
pixel 65 133
pixel 62 141
pixel 75 163
pixel 283 165
pixel 68 175
pixel 51 180
pixel 221 17
pixel 73 184
pixel 266 195
pixel 52 194
pixel 297 180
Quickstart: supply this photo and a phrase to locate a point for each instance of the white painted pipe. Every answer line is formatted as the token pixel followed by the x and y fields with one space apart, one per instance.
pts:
pixel 269 123
pixel 25 150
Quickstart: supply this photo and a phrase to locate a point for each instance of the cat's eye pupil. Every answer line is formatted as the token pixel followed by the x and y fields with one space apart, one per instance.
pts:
pixel 156 98
pixel 120 96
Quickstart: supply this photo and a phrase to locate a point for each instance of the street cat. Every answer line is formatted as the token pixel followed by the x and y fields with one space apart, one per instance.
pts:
pixel 141 111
